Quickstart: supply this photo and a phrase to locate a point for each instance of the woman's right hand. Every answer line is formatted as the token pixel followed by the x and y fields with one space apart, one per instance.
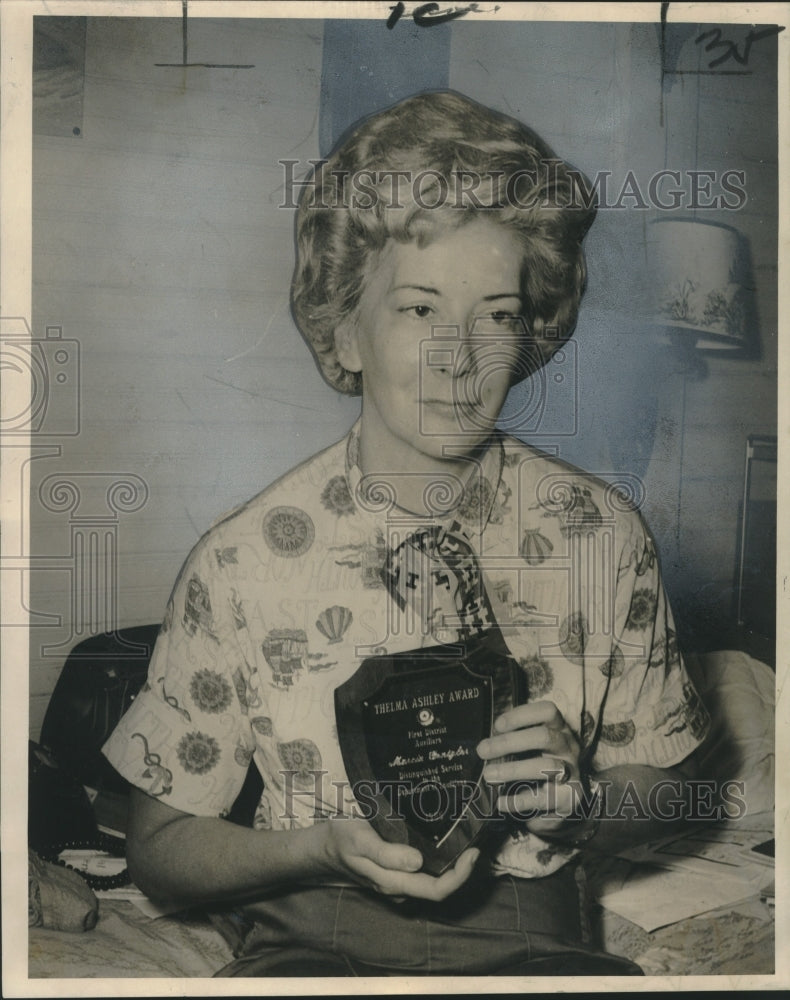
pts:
pixel 199 859
pixel 352 849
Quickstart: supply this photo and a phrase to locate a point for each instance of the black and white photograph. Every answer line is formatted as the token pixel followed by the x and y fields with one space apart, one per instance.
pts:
pixel 393 593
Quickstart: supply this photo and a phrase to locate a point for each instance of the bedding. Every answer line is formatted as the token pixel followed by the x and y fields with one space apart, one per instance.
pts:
pixel 127 943
pixel 735 939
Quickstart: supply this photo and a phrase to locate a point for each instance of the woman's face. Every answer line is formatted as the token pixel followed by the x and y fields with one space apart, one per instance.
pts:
pixel 437 337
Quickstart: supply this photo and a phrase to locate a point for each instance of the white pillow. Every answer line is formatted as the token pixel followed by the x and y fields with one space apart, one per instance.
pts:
pixel 739 693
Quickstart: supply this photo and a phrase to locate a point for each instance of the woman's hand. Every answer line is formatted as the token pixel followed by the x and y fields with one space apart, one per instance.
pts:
pixel 352 849
pixel 545 787
pixel 174 855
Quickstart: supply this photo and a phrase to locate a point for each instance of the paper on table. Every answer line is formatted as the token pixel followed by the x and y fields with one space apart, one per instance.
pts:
pixel 707 851
pixel 653 897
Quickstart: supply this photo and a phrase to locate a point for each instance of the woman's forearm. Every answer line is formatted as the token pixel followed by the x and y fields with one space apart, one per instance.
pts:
pixel 192 859
pixel 633 804
pixel 195 859
pixel 642 803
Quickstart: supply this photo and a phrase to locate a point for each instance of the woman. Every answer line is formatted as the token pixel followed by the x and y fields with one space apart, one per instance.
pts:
pixel 439 261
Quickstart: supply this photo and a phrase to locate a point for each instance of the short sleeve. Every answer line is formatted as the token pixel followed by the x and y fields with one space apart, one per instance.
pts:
pixel 651 712
pixel 186 738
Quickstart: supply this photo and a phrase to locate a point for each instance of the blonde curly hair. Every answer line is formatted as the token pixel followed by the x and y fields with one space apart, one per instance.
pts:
pixel 433 162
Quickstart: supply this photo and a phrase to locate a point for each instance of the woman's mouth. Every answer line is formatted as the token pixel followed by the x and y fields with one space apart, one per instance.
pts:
pixel 470 413
pixel 461 401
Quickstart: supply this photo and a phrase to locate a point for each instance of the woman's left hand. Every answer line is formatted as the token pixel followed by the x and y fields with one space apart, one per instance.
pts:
pixel 544 787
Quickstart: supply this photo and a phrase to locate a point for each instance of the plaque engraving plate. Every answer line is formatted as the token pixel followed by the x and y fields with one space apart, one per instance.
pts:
pixel 408 725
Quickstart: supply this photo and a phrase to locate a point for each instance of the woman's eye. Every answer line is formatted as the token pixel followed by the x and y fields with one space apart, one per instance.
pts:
pixel 504 318
pixel 421 312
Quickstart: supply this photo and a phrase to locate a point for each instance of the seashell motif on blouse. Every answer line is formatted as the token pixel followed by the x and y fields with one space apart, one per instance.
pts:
pixel 334 622
pixel 615 665
pixel 573 637
pixel 618 734
pixel 535 547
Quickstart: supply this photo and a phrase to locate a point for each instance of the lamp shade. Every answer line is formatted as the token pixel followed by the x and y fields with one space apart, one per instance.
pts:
pixel 695 273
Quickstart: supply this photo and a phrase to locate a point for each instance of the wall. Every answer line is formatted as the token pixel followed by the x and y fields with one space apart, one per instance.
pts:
pixel 595 93
pixel 159 247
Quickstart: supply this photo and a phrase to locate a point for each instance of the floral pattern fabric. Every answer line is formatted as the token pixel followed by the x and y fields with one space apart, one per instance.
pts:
pixel 283 599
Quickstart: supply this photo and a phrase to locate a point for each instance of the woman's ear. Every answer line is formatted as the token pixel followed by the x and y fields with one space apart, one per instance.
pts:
pixel 347 346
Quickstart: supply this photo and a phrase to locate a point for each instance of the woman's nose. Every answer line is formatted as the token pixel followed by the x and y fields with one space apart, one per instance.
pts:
pixel 458 355
pixel 466 362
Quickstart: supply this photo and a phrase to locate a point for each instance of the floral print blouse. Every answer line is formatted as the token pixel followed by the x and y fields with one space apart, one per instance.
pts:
pixel 279 603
